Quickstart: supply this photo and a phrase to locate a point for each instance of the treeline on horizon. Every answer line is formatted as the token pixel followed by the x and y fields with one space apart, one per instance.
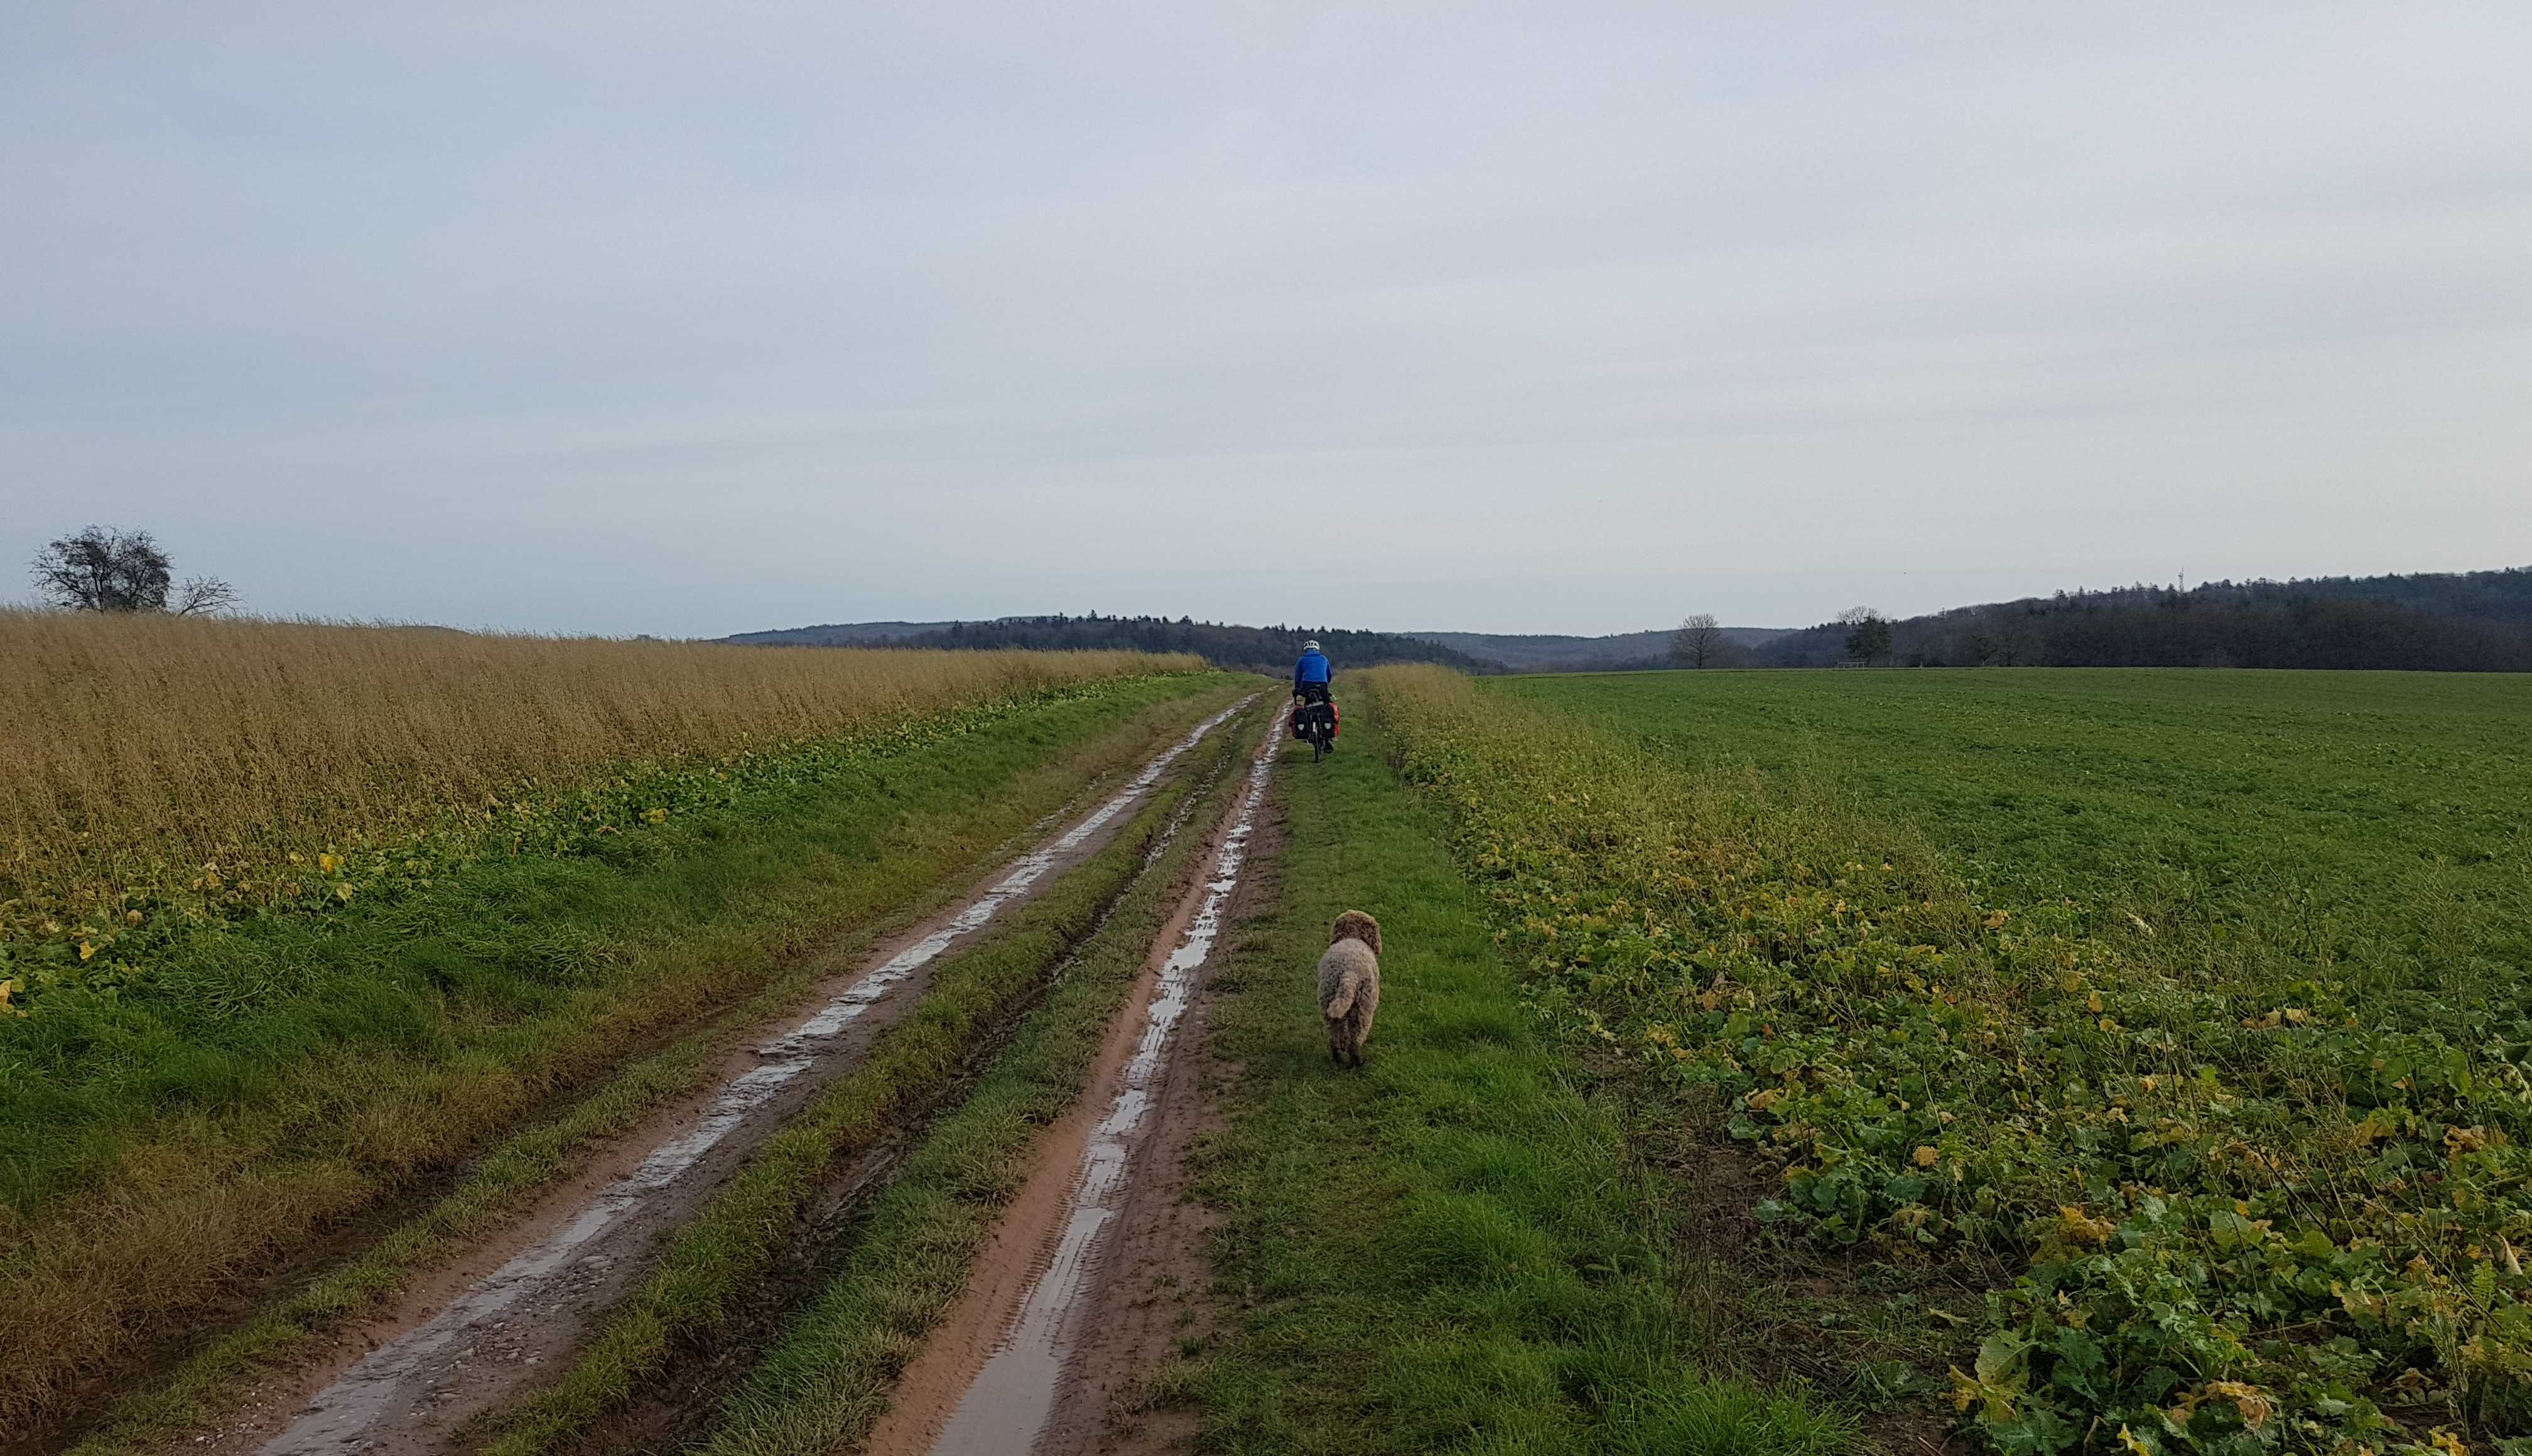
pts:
pixel 2458 621
pixel 2440 622
pixel 1267 649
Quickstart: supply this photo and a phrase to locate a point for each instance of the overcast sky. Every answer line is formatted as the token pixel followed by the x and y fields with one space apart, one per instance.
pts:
pixel 1565 318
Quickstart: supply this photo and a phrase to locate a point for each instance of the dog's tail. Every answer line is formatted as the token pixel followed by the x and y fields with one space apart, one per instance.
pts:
pixel 1347 983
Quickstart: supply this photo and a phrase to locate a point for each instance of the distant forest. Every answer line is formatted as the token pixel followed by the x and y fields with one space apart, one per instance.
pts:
pixel 1268 649
pixel 2453 622
pixel 2464 622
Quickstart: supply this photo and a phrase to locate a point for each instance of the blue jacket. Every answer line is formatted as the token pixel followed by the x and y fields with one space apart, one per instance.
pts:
pixel 1312 668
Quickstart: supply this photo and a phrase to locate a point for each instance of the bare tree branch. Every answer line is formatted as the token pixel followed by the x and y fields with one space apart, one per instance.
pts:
pixel 205 594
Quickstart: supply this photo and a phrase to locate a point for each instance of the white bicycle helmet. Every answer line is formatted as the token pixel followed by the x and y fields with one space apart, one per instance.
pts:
pixel 1312 645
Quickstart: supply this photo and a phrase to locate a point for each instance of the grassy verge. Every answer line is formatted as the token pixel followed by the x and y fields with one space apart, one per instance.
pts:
pixel 1439 1253
pixel 828 1378
pixel 2256 1170
pixel 168 1147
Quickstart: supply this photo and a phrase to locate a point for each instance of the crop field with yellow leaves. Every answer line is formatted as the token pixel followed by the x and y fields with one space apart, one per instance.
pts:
pixel 2185 1018
pixel 164 769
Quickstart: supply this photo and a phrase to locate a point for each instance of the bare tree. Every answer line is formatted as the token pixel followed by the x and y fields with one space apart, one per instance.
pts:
pixel 1697 643
pixel 205 595
pixel 1868 634
pixel 102 569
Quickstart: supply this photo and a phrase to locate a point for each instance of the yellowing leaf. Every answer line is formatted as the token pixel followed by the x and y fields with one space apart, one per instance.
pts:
pixel 2250 1400
pixel 1926 1157
pixel 2001 1377
pixel 2076 1228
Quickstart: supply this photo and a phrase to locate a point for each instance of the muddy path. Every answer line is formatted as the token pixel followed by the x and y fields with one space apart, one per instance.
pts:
pixel 678 1405
pixel 1092 1276
pixel 506 1316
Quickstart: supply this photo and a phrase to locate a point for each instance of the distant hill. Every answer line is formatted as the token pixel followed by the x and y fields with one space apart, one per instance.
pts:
pixel 2447 622
pixel 839 635
pixel 1269 649
pixel 1617 652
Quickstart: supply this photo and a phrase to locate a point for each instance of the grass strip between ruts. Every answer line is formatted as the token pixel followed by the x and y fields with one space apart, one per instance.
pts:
pixel 737 1238
pixel 1438 1252
pixel 829 1378
pixel 217 1378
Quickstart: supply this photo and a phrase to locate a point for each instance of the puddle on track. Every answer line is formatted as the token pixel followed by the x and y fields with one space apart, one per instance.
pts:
pixel 1006 1406
pixel 390 1382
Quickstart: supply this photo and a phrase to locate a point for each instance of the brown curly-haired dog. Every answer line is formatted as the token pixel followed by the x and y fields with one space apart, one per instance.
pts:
pixel 1349 985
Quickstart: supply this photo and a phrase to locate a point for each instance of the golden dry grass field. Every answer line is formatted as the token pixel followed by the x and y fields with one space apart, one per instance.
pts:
pixel 157 757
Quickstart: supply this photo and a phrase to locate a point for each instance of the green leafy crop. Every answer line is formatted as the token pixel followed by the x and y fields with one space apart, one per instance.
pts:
pixel 2259 1202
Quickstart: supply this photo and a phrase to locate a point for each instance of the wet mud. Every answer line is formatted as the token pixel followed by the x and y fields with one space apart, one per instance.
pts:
pixel 1017 1366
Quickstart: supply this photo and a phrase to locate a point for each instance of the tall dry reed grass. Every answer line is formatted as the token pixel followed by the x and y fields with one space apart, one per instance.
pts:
pixel 142 749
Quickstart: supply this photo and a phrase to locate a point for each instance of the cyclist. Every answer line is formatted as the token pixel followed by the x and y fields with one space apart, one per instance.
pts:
pixel 1315 717
pixel 1310 674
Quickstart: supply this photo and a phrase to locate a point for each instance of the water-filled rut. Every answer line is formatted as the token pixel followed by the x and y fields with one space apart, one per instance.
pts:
pixel 958 1404
pixel 470 1347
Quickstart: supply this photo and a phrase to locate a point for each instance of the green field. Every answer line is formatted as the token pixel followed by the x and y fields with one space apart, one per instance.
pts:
pixel 2377 826
pixel 2185 1012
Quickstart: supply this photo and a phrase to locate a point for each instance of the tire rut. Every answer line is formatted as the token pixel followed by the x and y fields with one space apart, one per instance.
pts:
pixel 1002 1370
pixel 677 1408
pixel 475 1336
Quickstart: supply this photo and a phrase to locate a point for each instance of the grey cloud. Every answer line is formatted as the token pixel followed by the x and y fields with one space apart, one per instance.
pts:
pixel 687 320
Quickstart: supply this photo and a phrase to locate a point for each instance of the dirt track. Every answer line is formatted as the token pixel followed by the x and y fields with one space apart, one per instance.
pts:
pixel 509 1314
pixel 1079 1295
